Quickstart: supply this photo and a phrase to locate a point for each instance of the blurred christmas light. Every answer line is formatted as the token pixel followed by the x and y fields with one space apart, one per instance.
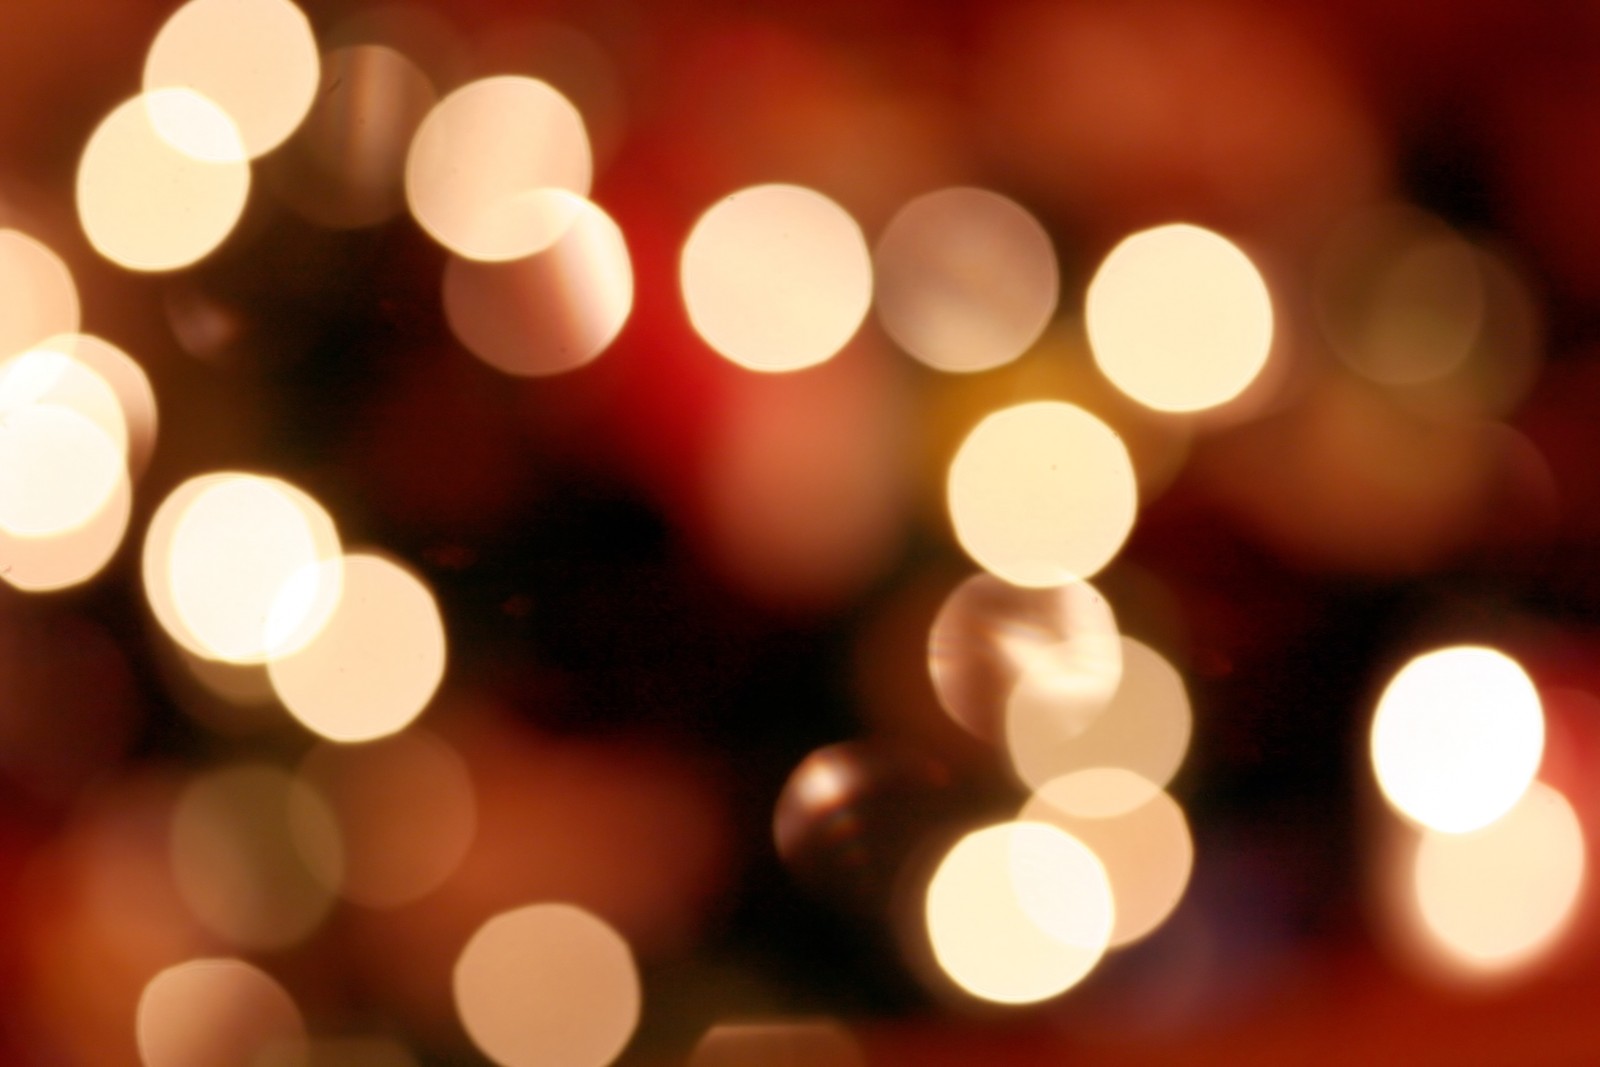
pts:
pixel 787 1043
pixel 776 277
pixel 212 1011
pixel 1457 738
pixel 38 297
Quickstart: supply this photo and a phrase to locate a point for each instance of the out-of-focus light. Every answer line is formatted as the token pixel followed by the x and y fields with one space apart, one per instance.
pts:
pixel 238 840
pixel 42 564
pixel 1457 738
pixel 256 59
pixel 796 1043
pixel 38 298
pixel 130 415
pixel 1136 830
pixel 240 567
pixel 547 983
pixel 1019 912
pixel 58 469
pixel 51 374
pixel 406 812
pixel 776 277
pixel 147 204
pixel 486 161
pixel 374 664
pixel 1179 318
pixel 549 312
pixel 966 279
pixel 213 1011
pixel 346 165
pixel 1145 728
pixel 989 634
pixel 1042 493
pixel 1496 899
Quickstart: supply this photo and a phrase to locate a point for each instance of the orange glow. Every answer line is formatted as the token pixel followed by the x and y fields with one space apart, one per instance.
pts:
pixel 1179 318
pixel 374 664
pixel 1145 728
pixel 406 812
pixel 214 1011
pixel 776 277
pixel 1497 899
pixel 147 204
pixel 966 279
pixel 484 162
pixel 797 1043
pixel 989 634
pixel 1042 493
pixel 238 841
pixel 1457 738
pixel 1019 912
pixel 547 983
pixel 240 567
pixel 552 311
pixel 1135 829
pixel 255 59
pixel 38 297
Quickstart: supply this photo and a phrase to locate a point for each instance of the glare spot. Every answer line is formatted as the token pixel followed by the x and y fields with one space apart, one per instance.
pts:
pixel 552 311
pixel 989 634
pixel 789 1043
pixel 38 298
pixel 51 374
pixel 257 59
pixel 217 1011
pixel 1145 728
pixel 147 205
pixel 43 564
pixel 406 812
pixel 1019 912
pixel 484 161
pixel 1179 318
pixel 776 277
pixel 195 125
pixel 547 983
pixel 1042 493
pixel 1457 738
pixel 1497 898
pixel 240 567
pixel 58 469
pixel 127 413
pixel 238 839
pixel 1138 832
pixel 966 279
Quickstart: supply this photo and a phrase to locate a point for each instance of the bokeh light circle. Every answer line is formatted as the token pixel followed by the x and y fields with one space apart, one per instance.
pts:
pixel 776 277
pixel 58 469
pixel 38 298
pixel 1457 738
pixel 547 983
pixel 206 1012
pixel 1019 912
pixel 1179 318
pixel 1042 493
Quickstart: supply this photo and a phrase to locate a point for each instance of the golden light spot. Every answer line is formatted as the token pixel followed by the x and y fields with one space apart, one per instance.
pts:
pixel 1136 830
pixel 1179 318
pixel 256 59
pixel 789 1043
pixel 146 204
pixel 1145 727
pixel 38 298
pixel 552 311
pixel 547 983
pixel 1457 738
pixel 240 567
pixel 1019 912
pixel 406 812
pixel 42 564
pixel 125 408
pixel 374 664
pixel 484 162
pixel 52 374
pixel 58 469
pixel 1042 493
pixel 776 277
pixel 213 1011
pixel 966 279
pixel 1498 898
pixel 238 840
pixel 990 633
